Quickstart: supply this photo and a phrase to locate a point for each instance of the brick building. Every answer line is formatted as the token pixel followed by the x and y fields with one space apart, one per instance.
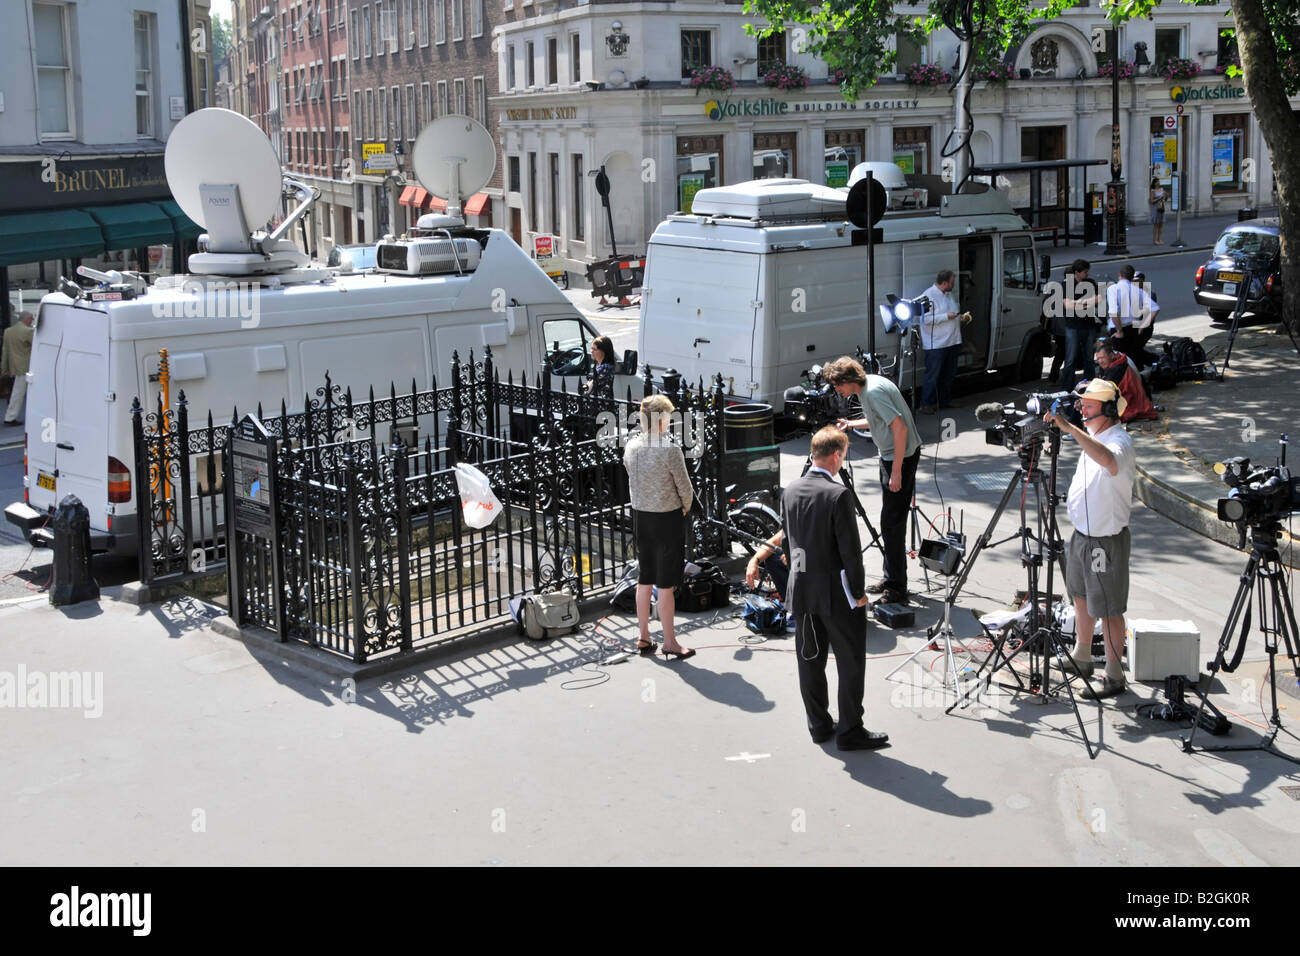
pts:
pixel 411 62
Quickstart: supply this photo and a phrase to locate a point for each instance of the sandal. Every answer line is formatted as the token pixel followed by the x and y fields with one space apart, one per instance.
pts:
pixel 645 650
pixel 680 655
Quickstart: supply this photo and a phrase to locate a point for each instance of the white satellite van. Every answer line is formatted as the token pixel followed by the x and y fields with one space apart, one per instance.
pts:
pixel 237 340
pixel 764 279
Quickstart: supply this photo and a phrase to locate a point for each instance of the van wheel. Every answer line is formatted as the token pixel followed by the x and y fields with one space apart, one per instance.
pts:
pixel 1031 363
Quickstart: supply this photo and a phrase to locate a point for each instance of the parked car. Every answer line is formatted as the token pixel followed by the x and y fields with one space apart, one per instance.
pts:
pixel 1246 252
pixel 356 258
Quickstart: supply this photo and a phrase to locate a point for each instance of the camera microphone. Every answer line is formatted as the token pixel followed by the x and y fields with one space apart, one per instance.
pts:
pixel 989 413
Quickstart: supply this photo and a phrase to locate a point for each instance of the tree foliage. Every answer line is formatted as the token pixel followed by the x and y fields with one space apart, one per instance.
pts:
pixel 220 38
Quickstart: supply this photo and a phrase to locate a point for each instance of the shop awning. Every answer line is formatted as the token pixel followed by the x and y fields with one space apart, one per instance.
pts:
pixel 182 225
pixel 407 194
pixel 476 204
pixel 133 225
pixel 37 236
pixel 436 204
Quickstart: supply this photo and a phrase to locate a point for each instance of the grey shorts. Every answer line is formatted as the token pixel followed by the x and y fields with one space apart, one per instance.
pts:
pixel 1096 569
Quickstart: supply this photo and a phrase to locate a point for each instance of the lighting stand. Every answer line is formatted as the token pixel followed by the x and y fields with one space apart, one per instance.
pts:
pixel 943 630
pixel 1263 565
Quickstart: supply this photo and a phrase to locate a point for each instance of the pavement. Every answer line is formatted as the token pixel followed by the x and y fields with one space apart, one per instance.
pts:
pixel 182 745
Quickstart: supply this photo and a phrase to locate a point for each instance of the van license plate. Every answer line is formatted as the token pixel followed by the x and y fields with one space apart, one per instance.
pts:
pixel 44 481
pixel 1229 288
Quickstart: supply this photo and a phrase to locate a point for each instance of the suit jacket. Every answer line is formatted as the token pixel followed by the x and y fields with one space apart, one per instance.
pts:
pixel 821 540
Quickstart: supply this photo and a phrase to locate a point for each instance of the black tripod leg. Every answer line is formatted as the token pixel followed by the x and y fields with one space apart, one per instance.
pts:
pixel 1239 603
pixel 982 541
pixel 875 542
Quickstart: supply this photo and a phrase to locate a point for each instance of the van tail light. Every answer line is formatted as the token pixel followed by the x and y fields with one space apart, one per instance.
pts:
pixel 1268 286
pixel 119 482
pixel 1200 274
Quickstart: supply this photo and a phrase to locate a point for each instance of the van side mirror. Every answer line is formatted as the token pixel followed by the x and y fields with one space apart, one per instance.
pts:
pixel 629 362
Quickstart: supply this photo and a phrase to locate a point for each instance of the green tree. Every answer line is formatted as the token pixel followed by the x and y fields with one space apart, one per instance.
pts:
pixel 220 38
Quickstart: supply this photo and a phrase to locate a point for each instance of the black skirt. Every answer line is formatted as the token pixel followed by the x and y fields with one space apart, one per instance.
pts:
pixel 660 538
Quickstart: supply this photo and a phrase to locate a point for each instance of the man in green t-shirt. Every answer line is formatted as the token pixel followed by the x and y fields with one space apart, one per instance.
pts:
pixel 894 431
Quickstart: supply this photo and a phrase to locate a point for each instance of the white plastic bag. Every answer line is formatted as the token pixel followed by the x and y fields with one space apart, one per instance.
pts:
pixel 479 504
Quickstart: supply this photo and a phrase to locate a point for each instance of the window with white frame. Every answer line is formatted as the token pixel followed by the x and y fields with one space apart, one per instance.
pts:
pixel 395 113
pixel 442 98
pixel 354 35
pixel 552 61
pixel 358 116
pixel 697 51
pixel 424 23
pixel 575 58
pixel 381 115
pixel 579 184
pixel 367 34
pixel 462 108
pixel 426 105
pixel 440 21
pixel 530 64
pixel 458 19
pixel 510 66
pixel 408 25
pixel 144 75
pixel 412 116
pixel 344 77
pixel 477 15
pixel 480 100
pixel 392 26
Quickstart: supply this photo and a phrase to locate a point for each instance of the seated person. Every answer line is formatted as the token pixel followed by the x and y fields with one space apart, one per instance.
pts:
pixel 1116 367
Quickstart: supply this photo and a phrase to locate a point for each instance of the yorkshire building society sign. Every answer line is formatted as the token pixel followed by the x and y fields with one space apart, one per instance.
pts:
pixel 770 106
pixel 1181 94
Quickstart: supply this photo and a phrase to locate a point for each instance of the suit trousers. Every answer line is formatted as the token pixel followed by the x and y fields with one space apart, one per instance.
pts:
pixel 815 635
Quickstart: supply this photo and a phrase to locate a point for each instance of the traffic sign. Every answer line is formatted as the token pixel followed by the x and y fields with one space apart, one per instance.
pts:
pixel 380 161
pixel 1171 120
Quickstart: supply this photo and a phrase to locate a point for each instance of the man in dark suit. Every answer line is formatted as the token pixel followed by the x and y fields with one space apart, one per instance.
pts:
pixel 827 592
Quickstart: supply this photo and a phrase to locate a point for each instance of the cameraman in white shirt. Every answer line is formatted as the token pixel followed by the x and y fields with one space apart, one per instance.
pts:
pixel 1097 556
pixel 941 339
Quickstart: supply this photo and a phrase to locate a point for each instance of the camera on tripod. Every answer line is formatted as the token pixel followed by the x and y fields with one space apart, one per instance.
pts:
pixel 1259 494
pixel 815 403
pixel 1008 426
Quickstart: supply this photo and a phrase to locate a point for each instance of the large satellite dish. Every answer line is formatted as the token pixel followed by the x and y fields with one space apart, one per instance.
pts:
pixel 216 146
pixel 454 157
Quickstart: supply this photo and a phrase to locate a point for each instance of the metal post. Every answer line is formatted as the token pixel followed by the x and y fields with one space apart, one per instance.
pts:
pixel 1116 211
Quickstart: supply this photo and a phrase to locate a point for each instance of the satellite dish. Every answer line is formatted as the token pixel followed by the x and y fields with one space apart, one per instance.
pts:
pixel 866 204
pixel 221 147
pixel 454 157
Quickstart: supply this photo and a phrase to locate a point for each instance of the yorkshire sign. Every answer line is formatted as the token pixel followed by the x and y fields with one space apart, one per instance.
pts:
pixel 770 106
pixel 1180 94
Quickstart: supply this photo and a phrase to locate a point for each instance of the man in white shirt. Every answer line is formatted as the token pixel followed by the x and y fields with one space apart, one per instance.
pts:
pixel 941 339
pixel 1097 557
pixel 1131 309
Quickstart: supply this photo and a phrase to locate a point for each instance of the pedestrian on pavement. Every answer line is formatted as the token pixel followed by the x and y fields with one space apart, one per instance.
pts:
pixel 941 338
pixel 1157 199
pixel 601 382
pixel 1116 367
pixel 894 432
pixel 15 360
pixel 661 496
pixel 1131 308
pixel 1097 556
pixel 826 593
pixel 1080 307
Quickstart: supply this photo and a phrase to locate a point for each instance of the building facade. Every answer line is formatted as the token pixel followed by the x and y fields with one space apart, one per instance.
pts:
pixel 413 61
pixel 609 86
pixel 91 92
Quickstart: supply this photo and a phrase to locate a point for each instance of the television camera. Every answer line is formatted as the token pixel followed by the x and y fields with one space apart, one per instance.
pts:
pixel 1013 429
pixel 1258 495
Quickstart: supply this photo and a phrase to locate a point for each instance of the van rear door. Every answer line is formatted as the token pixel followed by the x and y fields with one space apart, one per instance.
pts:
pixel 698 314
pixel 67 411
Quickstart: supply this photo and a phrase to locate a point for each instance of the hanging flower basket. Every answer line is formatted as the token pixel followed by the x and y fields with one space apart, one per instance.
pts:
pixel 998 72
pixel 712 78
pixel 1287 66
pixel 836 76
pixel 926 74
pixel 1108 69
pixel 1178 68
pixel 785 77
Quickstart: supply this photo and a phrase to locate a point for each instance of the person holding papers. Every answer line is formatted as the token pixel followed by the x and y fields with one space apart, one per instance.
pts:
pixel 826 592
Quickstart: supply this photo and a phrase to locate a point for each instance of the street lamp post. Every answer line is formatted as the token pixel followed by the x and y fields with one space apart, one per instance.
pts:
pixel 1116 228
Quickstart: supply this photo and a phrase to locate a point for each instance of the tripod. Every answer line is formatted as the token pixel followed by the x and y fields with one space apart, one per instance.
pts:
pixel 941 629
pixel 1263 567
pixel 1044 641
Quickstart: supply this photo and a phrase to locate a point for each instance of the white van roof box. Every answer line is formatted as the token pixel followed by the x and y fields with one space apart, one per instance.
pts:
pixel 770 199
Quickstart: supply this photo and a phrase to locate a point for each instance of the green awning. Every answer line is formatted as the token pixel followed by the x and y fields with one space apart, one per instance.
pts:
pixel 183 225
pixel 38 236
pixel 133 225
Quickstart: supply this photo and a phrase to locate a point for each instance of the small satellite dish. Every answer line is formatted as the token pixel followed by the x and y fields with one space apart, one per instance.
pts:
pixel 454 157
pixel 220 147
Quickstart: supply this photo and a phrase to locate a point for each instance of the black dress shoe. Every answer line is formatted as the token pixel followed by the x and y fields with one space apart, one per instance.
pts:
pixel 892 596
pixel 877 588
pixel 862 740
pixel 821 736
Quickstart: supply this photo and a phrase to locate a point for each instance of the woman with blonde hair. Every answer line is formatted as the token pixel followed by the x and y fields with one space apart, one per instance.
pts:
pixel 661 494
